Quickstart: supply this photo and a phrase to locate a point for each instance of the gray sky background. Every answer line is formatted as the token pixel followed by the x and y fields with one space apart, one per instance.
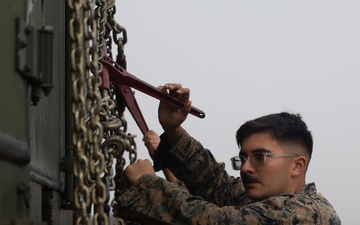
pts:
pixel 245 59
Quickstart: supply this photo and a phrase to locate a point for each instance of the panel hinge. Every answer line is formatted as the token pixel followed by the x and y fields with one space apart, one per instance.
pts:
pixel 67 166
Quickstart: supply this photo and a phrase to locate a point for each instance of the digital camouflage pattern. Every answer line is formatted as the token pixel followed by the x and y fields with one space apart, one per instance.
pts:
pixel 212 196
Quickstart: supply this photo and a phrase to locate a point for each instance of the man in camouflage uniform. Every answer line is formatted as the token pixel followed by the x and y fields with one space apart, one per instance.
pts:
pixel 274 154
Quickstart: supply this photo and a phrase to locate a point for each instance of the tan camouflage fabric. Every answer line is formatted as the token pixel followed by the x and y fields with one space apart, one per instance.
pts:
pixel 212 196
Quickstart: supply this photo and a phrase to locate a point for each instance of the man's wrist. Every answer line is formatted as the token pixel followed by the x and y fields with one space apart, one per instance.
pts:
pixel 173 135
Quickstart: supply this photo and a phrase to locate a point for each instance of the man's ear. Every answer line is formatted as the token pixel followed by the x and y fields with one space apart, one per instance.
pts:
pixel 299 165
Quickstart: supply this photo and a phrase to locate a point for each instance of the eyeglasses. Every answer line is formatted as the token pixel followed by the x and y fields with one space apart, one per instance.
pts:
pixel 256 159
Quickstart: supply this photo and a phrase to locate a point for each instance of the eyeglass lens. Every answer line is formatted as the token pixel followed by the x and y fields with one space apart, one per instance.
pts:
pixel 256 159
pixel 236 163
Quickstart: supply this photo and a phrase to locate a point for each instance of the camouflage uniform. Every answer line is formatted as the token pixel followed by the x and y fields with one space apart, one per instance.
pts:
pixel 212 196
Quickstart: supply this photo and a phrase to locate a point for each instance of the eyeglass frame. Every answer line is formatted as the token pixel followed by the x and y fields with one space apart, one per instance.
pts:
pixel 242 158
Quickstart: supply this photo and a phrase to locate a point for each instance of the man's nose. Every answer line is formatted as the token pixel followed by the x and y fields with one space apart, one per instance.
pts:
pixel 246 167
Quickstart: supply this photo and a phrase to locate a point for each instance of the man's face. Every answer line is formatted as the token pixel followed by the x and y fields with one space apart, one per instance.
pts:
pixel 272 178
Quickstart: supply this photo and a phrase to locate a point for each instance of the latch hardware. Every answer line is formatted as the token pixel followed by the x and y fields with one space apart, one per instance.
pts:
pixel 34 50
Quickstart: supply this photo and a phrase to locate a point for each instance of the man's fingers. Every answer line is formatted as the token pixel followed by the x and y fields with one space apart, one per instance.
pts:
pixel 176 89
pixel 137 169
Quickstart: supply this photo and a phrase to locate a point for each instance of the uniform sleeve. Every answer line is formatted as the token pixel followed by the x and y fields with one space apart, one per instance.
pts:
pixel 198 169
pixel 153 200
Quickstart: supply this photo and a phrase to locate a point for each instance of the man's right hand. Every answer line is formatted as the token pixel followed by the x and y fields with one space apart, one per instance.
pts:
pixel 170 117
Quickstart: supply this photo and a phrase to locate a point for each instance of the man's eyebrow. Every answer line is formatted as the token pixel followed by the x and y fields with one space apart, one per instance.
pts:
pixel 260 150
pixel 257 150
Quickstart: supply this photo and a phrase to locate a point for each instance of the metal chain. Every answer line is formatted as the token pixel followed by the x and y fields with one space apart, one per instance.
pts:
pixel 128 140
pixel 95 130
pixel 99 133
pixel 79 134
pixel 100 13
pixel 119 41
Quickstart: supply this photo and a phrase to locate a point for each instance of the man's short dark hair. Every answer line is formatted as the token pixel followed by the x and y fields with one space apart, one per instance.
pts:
pixel 283 127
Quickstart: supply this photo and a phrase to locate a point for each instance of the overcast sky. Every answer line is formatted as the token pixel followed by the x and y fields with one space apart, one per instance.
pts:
pixel 245 59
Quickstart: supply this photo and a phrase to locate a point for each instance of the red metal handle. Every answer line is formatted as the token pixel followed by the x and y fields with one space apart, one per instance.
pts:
pixel 120 75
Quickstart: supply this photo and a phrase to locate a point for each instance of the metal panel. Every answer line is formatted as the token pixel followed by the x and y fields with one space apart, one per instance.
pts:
pixel 31 187
pixel 13 122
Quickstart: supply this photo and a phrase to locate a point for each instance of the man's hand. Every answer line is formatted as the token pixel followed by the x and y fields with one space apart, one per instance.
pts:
pixel 151 140
pixel 170 117
pixel 134 171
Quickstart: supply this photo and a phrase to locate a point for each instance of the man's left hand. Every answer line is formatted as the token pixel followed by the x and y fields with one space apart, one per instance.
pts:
pixel 134 171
